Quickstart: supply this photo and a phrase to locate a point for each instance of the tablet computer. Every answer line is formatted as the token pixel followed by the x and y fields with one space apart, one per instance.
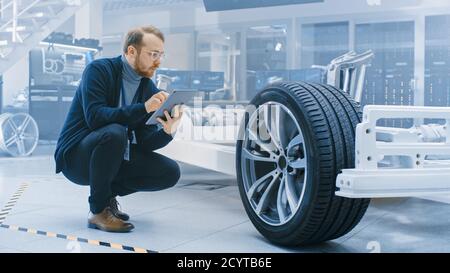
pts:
pixel 177 97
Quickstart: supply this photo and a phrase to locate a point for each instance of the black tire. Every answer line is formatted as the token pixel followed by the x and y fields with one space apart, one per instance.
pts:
pixel 328 119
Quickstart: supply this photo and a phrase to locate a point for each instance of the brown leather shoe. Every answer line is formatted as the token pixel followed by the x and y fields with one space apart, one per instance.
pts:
pixel 106 221
pixel 114 205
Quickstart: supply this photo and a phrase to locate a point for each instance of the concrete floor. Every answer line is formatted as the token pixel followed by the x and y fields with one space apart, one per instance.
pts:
pixel 203 213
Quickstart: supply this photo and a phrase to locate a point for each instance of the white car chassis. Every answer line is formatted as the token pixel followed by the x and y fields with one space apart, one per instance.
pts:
pixel 389 162
pixel 396 162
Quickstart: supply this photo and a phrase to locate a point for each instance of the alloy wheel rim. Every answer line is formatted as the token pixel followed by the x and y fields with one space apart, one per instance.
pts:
pixel 274 163
pixel 19 134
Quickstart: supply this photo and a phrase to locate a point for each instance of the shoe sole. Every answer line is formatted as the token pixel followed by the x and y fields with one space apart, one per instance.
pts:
pixel 94 226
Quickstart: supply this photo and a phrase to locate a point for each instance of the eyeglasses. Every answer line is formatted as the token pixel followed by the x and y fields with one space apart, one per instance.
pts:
pixel 157 55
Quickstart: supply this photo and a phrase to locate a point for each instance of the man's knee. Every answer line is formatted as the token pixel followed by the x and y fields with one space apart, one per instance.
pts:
pixel 114 134
pixel 173 174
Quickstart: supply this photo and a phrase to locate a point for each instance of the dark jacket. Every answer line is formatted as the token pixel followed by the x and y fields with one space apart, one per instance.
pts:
pixel 96 104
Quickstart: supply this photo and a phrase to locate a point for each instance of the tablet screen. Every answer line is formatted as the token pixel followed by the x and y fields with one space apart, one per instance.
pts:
pixel 177 97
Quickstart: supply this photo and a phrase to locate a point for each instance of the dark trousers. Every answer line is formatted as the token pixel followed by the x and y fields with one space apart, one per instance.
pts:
pixel 97 161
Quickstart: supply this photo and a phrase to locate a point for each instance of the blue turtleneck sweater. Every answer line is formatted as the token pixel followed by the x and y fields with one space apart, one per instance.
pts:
pixel 130 80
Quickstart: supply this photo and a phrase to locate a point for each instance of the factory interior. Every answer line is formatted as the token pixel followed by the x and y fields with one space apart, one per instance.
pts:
pixel 353 100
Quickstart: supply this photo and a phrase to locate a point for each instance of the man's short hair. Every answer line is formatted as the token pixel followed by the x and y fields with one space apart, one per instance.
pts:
pixel 135 36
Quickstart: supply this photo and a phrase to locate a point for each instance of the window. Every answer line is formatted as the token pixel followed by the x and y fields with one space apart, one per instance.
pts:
pixel 321 43
pixel 266 56
pixel 388 78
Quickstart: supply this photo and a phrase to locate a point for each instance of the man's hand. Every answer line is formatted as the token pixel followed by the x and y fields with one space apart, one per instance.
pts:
pixel 172 122
pixel 153 104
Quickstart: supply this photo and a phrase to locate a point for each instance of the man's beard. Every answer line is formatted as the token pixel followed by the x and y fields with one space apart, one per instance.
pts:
pixel 141 71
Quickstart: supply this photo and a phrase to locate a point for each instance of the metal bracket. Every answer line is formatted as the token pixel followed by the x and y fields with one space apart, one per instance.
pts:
pixel 393 162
